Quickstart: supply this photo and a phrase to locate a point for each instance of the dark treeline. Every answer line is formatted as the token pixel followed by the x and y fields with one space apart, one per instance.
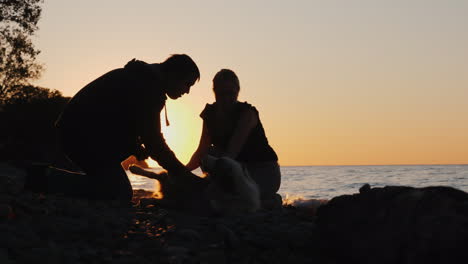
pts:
pixel 27 112
pixel 27 119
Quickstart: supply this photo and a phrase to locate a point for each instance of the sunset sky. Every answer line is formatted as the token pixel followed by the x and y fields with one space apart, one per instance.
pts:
pixel 336 82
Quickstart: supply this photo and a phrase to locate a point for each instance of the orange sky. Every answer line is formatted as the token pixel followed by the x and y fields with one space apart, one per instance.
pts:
pixel 336 82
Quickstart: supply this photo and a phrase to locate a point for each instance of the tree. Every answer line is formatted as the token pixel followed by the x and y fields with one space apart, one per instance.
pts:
pixel 18 66
pixel 27 112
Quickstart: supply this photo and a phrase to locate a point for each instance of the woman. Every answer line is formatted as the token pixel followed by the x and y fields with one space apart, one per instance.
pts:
pixel 234 129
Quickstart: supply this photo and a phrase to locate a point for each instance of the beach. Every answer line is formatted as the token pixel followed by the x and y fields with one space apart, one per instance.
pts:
pixel 59 229
pixel 419 225
pixel 361 104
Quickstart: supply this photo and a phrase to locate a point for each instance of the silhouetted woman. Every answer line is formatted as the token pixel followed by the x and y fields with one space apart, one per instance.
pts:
pixel 232 128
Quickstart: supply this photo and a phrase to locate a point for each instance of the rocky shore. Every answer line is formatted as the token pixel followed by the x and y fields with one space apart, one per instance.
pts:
pixel 58 229
pixel 376 225
pixel 395 224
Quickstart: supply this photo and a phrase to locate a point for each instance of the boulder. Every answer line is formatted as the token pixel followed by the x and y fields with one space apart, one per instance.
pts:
pixel 395 224
pixel 12 179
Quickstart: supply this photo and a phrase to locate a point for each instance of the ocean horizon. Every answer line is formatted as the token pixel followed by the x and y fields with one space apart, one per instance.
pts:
pixel 326 182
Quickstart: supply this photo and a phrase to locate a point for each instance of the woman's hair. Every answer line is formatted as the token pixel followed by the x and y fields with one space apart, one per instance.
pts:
pixel 226 75
pixel 181 66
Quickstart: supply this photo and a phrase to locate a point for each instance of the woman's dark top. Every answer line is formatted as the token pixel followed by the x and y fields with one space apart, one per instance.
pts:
pixel 256 147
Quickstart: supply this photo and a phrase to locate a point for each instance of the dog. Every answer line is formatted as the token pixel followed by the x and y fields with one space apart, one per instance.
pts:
pixel 179 192
pixel 227 189
pixel 231 190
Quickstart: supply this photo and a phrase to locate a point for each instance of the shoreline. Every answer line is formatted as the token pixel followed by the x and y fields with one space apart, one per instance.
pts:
pixel 60 229
pixel 391 224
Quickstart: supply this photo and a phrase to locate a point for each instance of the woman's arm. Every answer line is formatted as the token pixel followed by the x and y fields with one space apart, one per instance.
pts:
pixel 205 142
pixel 247 121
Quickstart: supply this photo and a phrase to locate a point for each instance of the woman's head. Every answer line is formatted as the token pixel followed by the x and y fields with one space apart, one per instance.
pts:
pixel 226 87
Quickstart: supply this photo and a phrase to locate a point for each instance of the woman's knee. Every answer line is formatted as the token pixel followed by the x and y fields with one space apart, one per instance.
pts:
pixel 267 176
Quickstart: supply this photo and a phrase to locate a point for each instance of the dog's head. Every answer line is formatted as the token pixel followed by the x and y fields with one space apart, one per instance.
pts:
pixel 223 171
pixel 231 189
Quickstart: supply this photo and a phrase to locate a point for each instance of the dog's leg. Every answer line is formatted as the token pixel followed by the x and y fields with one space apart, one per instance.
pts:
pixel 140 171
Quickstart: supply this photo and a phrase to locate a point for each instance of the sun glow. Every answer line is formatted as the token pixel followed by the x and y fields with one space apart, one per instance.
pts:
pixel 183 133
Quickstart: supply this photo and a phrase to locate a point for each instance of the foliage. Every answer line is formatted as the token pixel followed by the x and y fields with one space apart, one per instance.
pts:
pixel 27 113
pixel 18 22
pixel 28 118
pixel 31 95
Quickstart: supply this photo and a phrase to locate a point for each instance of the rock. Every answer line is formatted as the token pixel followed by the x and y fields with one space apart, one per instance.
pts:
pixel 395 224
pixel 212 256
pixel 177 254
pixel 365 188
pixel 42 254
pixel 146 202
pixel 4 259
pixel 5 211
pixel 12 179
pixel 308 207
pixel 275 203
pixel 59 229
pixel 230 238
pixel 189 234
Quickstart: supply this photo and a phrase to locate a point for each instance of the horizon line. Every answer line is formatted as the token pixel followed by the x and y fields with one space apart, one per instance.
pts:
pixel 396 164
pixel 357 165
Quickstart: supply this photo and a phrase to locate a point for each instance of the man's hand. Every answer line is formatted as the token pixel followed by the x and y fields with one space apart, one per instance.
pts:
pixel 132 160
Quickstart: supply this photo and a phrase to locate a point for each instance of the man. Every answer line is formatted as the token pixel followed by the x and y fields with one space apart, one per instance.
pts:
pixel 118 115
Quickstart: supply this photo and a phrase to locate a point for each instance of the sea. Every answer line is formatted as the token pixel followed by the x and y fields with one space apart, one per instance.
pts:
pixel 326 182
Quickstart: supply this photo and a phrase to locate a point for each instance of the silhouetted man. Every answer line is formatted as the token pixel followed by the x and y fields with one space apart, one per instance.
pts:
pixel 118 115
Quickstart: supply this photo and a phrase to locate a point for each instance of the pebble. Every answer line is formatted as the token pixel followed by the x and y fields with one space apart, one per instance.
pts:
pixel 57 229
pixel 5 211
pixel 4 259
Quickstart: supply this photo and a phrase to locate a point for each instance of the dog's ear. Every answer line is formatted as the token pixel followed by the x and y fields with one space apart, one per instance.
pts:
pixel 208 162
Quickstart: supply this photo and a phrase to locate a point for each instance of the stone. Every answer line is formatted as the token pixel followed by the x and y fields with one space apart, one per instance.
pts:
pixel 12 179
pixel 5 211
pixel 4 259
pixel 230 238
pixel 71 230
pixel 212 256
pixel 395 224
pixel 177 254
pixel 189 234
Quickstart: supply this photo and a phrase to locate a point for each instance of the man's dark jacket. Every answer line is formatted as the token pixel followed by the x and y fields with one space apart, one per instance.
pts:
pixel 111 116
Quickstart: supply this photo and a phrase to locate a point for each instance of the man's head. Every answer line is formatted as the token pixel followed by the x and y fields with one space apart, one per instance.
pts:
pixel 180 73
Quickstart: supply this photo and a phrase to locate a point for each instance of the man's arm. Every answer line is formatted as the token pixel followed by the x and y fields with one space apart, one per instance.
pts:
pixel 156 145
